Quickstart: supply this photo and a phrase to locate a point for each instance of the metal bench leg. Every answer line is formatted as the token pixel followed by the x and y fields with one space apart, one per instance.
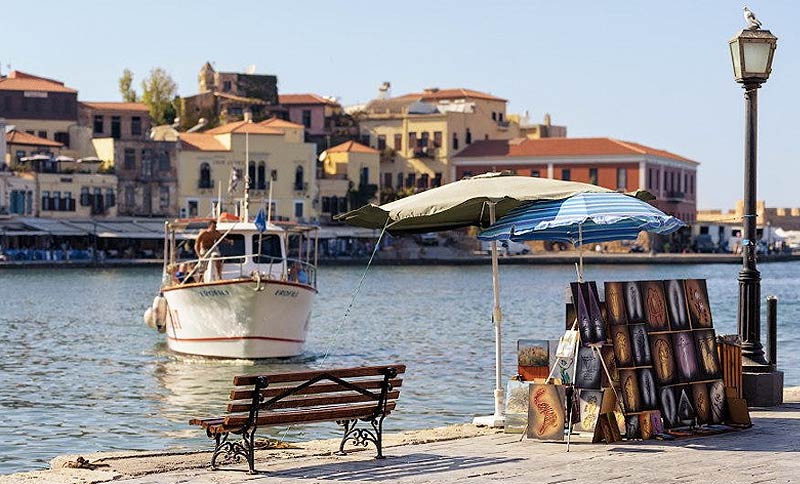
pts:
pixel 235 450
pixel 362 437
pixel 221 447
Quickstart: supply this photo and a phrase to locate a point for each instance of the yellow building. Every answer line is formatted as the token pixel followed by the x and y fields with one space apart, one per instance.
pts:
pixel 417 134
pixel 349 178
pixel 212 165
pixel 76 195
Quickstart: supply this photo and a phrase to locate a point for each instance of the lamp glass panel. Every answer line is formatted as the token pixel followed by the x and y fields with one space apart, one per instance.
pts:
pixel 756 57
pixel 736 57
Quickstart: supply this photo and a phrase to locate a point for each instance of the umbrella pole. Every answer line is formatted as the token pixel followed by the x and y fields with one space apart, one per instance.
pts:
pixel 498 419
pixel 580 253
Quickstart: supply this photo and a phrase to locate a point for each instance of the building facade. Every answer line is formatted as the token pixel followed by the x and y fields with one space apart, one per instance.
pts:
pixel 618 165
pixel 213 168
pixel 349 178
pixel 325 122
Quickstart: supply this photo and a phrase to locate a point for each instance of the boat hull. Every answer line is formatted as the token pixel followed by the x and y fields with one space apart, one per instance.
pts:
pixel 239 319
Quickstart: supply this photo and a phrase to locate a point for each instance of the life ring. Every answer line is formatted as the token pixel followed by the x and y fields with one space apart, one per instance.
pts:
pixel 160 311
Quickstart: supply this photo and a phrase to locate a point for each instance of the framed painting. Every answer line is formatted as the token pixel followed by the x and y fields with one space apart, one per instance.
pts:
pixel 516 406
pixel 632 430
pixel 589 368
pixel 591 326
pixel 546 412
pixel 647 389
pixel 716 396
pixel 685 356
pixel 590 403
pixel 629 384
pixel 697 300
pixel 663 358
pixel 615 303
pixel 676 304
pixel 707 354
pixel 533 358
pixel 634 303
pixel 686 411
pixel 640 345
pixel 702 403
pixel 655 305
pixel 622 346
pixel 668 404
pixel 646 425
pixel 607 352
pixel 658 424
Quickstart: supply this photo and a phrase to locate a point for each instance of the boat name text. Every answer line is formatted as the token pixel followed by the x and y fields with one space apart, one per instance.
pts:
pixel 214 292
pixel 286 292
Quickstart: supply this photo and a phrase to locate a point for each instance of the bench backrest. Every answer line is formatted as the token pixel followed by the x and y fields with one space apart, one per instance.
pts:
pixel 321 394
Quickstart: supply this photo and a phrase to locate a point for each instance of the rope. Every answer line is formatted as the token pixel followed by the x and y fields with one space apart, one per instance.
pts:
pixel 347 310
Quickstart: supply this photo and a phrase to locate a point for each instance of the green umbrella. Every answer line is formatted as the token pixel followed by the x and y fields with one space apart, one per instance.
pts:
pixel 475 201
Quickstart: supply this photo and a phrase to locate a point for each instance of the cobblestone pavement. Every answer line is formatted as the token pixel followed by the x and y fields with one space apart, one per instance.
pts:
pixel 768 452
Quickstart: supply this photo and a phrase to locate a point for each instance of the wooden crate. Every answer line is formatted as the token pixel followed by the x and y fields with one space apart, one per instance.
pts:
pixel 730 358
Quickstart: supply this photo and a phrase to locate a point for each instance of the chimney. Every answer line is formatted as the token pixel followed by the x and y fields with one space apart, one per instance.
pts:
pixel 547 121
pixel 248 116
pixel 383 89
pixel 431 90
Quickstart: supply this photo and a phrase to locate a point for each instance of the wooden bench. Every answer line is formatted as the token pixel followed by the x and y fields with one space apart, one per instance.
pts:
pixel 346 396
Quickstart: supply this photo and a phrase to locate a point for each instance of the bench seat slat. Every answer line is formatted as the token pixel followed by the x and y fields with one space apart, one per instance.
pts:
pixel 307 375
pixel 311 402
pixel 270 392
pixel 311 415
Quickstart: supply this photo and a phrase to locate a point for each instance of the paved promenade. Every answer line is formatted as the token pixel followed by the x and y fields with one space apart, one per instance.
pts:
pixel 769 452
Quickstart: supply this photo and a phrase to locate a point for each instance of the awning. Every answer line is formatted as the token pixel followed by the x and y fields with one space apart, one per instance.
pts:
pixel 54 227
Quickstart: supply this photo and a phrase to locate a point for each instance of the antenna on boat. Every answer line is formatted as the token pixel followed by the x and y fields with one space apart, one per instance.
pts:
pixel 248 117
pixel 269 203
pixel 218 208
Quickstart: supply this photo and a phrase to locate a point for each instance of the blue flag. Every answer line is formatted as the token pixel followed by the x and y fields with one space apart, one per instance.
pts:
pixel 261 220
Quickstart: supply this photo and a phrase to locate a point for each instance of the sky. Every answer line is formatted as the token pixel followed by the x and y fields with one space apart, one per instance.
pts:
pixel 652 72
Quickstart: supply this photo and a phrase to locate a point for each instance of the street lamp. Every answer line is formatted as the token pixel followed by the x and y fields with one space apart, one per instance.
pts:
pixel 751 50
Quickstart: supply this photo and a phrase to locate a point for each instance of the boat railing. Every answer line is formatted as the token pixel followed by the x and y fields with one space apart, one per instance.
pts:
pixel 266 267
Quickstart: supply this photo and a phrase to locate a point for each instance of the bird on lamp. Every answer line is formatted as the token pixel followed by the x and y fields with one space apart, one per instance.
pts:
pixel 752 22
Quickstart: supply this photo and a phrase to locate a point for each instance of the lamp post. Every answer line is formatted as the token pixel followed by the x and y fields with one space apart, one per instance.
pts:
pixel 751 52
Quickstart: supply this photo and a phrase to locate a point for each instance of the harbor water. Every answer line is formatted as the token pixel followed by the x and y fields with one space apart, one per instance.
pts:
pixel 80 372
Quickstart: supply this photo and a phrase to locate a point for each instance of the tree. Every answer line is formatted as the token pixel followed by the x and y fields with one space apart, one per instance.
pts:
pixel 158 90
pixel 125 83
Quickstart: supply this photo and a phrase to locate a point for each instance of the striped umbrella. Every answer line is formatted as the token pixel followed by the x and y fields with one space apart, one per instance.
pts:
pixel 581 219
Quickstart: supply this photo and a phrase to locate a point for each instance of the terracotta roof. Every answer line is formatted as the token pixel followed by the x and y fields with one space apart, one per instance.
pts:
pixel 561 147
pixel 22 138
pixel 116 106
pixel 457 93
pixel 280 123
pixel 305 99
pixel 243 127
pixel 351 147
pixel 200 142
pixel 22 81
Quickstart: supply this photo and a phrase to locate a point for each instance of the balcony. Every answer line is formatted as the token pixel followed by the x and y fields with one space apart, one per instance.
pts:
pixel 674 196
pixel 301 186
pixel 205 184
pixel 425 152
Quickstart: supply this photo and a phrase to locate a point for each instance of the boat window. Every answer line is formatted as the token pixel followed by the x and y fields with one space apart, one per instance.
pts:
pixel 232 250
pixel 270 249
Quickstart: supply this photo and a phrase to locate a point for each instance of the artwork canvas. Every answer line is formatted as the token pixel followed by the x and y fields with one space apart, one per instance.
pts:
pixel 589 369
pixel 647 388
pixel 607 353
pixel 590 318
pixel 632 430
pixel 622 346
pixel 663 358
pixel 533 358
pixel 668 404
pixel 686 411
pixel 640 345
pixel 658 425
pixel 707 353
pixel 716 395
pixel 655 305
pixel 634 303
pixel 702 403
pixel 546 412
pixel 615 303
pixel 697 300
pixel 590 402
pixel 676 303
pixel 685 356
pixel 516 406
pixel 646 425
pixel 629 384
pixel 607 429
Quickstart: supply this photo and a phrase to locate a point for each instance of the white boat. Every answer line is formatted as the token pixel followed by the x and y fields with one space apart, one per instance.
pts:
pixel 258 306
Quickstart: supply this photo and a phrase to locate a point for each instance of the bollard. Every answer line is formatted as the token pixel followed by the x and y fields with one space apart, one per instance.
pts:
pixel 772 330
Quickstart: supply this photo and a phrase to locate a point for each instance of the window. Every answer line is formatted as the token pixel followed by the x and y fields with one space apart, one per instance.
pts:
pixel 398 142
pixel 437 139
pixel 261 176
pixel 163 198
pixel 61 137
pixel 226 86
pixel 298 178
pixel 55 201
pixel 381 142
pixel 494 116
pixel 423 140
pixel 468 137
pixel 20 154
pixel 116 127
pixel 129 159
pixel 193 208
pixel 387 180
pixel 98 124
pixel 270 245
pixel 400 180
pixel 423 181
pixel 326 204
pixel 46 200
pixel 298 209
pixel 205 176
pixel 437 180
pixel 307 118
pixel 535 173
pixel 455 141
pixel 565 174
pixel 42 134
pixel 67 202
pixel 273 175
pixel 233 253
pixel 593 176
pixel 411 180
pixel 622 178
pixel 111 197
pixel 136 126
pixel 251 174
pixel 86 199
pixel 686 182
pixel 363 179
pixel 500 117
pixel 412 140
pixel 147 167
pixel 130 197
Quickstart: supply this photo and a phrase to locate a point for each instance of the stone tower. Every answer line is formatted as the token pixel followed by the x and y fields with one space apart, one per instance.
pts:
pixel 206 78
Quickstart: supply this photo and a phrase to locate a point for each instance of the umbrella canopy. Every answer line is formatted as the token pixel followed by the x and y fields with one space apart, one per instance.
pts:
pixel 35 158
pixel 64 158
pixel 583 218
pixel 463 203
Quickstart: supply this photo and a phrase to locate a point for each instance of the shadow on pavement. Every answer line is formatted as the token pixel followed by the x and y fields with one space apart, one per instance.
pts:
pixel 390 469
